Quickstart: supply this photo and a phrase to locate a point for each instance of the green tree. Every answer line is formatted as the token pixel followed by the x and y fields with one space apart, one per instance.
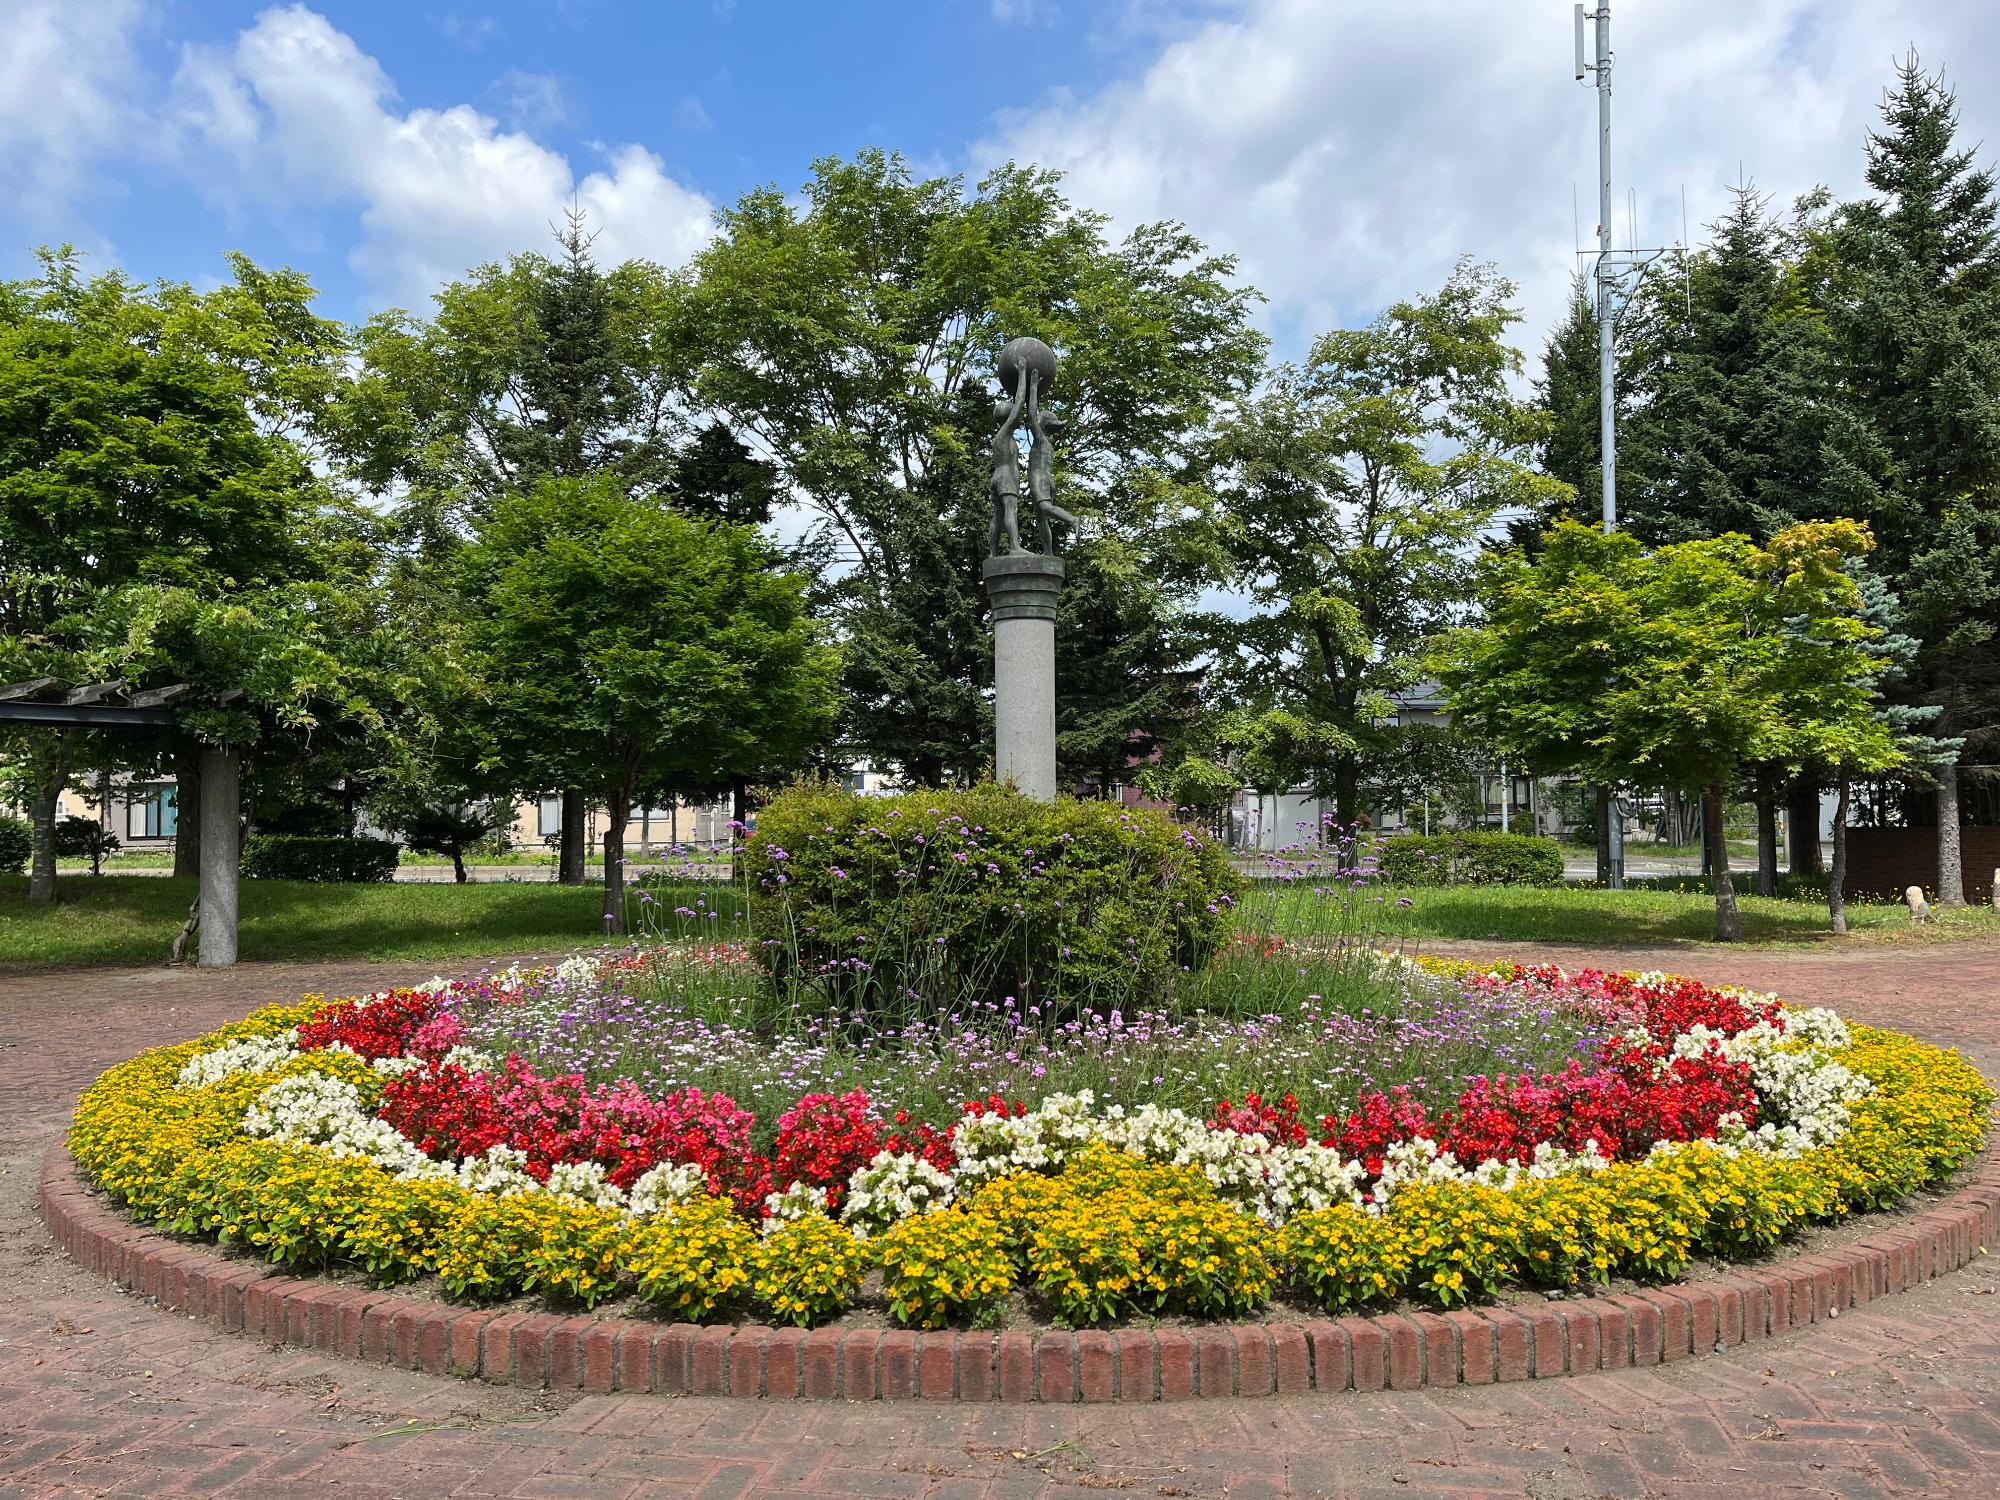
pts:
pixel 1919 323
pixel 1736 391
pixel 1676 667
pixel 536 368
pixel 1567 448
pixel 149 435
pixel 849 335
pixel 1363 480
pixel 621 647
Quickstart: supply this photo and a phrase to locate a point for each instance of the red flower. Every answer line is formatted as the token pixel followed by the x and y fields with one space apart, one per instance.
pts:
pixel 823 1140
pixel 1280 1122
pixel 373 1028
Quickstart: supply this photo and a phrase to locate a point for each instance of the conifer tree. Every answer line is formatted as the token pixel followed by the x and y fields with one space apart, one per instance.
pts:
pixel 1920 329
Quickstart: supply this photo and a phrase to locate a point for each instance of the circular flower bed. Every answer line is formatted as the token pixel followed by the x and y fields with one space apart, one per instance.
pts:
pixel 380 1134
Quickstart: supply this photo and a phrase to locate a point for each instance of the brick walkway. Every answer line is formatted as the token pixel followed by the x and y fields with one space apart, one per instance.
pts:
pixel 101 1394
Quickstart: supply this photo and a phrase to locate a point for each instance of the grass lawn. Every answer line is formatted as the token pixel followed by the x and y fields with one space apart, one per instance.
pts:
pixel 132 919
pixel 1589 914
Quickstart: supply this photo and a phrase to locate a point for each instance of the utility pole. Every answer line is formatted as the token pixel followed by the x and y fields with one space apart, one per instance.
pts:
pixel 1607 364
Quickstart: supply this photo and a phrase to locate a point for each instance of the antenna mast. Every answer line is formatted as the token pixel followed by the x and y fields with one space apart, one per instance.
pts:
pixel 1607 365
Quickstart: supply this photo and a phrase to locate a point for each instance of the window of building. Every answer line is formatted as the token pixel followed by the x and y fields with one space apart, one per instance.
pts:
pixel 548 817
pixel 151 812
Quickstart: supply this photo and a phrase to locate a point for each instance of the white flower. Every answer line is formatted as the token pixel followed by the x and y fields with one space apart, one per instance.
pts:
pixel 893 1186
pixel 501 1171
pixel 799 1201
pixel 255 1054
pixel 472 1059
pixel 666 1186
pixel 583 1182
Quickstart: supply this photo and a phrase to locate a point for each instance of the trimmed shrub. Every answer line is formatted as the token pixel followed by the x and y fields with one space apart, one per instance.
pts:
pixel 1471 858
pixel 300 856
pixel 84 838
pixel 17 845
pixel 929 900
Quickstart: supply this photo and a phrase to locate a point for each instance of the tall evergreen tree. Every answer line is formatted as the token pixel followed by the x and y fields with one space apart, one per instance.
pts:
pixel 1569 448
pixel 1731 394
pixel 1920 330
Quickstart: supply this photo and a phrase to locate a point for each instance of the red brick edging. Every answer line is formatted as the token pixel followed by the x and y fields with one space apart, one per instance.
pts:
pixel 1469 1347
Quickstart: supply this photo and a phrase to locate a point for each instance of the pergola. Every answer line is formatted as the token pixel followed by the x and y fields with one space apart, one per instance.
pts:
pixel 48 702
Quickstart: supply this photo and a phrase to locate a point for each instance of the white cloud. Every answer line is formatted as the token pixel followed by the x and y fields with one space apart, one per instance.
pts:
pixel 691 114
pixel 296 113
pixel 67 80
pixel 1349 153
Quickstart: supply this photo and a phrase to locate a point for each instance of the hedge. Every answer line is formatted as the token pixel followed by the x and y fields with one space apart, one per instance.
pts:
pixel 17 845
pixel 1471 858
pixel 933 899
pixel 299 856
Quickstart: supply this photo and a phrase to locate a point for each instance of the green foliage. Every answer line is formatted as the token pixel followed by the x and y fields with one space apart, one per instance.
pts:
pixel 852 328
pixel 300 856
pixel 81 838
pixel 1738 422
pixel 1362 480
pixel 808 1270
pixel 541 367
pixel 1914 299
pixel 933 899
pixel 1677 667
pixel 1673 667
pixel 1569 448
pixel 1471 857
pixel 16 843
pixel 948 1267
pixel 622 647
pixel 429 828
pixel 131 445
pixel 1196 782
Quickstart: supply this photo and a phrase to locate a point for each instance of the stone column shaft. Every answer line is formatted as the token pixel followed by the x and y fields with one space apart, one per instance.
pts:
pixel 221 805
pixel 1024 589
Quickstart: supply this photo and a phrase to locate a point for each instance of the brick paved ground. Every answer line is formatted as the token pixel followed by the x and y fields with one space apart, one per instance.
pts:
pixel 100 1394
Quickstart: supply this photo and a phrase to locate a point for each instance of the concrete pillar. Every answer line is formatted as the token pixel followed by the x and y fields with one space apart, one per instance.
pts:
pixel 1024 589
pixel 221 805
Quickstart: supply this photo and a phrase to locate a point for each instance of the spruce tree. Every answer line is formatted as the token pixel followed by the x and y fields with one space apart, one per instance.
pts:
pixel 1566 393
pixel 1921 340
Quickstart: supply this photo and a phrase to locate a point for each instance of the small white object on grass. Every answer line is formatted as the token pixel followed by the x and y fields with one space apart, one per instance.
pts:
pixel 1920 909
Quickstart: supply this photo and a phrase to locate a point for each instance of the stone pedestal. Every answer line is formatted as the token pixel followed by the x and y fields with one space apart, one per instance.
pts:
pixel 1023 589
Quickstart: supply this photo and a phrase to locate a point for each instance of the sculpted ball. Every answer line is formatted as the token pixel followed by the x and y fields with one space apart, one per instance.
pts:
pixel 1027 354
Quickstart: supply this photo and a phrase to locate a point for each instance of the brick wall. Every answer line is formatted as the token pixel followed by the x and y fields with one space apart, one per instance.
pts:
pixel 1886 861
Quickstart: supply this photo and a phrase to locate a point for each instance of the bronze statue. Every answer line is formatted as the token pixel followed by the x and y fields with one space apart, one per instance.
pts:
pixel 1027 370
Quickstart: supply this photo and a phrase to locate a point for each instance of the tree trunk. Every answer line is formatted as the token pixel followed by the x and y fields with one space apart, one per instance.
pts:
pixel 1346 796
pixel 1951 868
pixel 569 862
pixel 187 807
pixel 1836 880
pixel 1802 825
pixel 458 864
pixel 48 761
pixel 614 864
pixel 1728 921
pixel 1603 835
pixel 1767 833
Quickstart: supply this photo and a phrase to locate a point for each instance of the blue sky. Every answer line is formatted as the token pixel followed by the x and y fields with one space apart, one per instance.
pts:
pixel 1348 152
